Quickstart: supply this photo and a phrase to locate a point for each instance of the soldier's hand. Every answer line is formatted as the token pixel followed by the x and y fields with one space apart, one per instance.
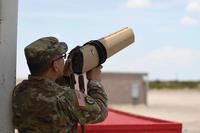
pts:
pixel 95 73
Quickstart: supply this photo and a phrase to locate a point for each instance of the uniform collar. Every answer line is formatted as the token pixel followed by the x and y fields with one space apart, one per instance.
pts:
pixel 31 77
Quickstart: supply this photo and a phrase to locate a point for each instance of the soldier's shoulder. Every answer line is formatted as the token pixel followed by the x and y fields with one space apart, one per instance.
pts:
pixel 20 86
pixel 68 91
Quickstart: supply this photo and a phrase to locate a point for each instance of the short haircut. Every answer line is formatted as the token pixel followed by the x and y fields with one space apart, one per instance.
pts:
pixel 37 69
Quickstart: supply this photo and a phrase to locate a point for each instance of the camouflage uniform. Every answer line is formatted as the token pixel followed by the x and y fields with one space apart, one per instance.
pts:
pixel 43 106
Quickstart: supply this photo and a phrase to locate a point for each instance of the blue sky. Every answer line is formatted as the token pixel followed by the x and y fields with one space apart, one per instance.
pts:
pixel 167 32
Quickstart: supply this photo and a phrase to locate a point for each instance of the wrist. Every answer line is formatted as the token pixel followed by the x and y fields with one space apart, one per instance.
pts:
pixel 94 82
pixel 97 78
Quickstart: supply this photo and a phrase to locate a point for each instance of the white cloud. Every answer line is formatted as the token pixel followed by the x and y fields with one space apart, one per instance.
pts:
pixel 161 63
pixel 189 21
pixel 170 54
pixel 138 4
pixel 193 6
pixel 181 57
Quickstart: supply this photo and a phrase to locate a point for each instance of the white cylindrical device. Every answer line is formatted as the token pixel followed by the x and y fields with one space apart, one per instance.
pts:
pixel 95 52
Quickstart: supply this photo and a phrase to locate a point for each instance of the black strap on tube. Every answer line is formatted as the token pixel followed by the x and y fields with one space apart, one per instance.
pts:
pixel 101 50
pixel 82 89
pixel 81 83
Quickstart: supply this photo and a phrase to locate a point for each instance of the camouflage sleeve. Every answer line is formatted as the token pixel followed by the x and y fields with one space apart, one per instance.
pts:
pixel 96 91
pixel 91 108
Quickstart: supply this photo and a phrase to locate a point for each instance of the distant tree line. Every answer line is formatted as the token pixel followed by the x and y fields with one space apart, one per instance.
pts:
pixel 158 84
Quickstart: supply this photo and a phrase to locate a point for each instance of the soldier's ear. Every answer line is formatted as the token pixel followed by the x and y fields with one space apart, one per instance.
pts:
pixel 55 66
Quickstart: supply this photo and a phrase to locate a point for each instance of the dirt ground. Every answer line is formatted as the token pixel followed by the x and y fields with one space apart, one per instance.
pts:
pixel 176 105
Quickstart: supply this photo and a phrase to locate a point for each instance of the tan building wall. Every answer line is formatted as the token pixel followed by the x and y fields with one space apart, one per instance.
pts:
pixel 126 88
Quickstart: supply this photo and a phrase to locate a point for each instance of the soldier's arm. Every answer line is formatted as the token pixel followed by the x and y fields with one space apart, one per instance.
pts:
pixel 95 108
pixel 91 108
pixel 96 95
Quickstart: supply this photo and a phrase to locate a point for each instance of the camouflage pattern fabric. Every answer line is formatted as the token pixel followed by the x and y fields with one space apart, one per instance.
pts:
pixel 43 106
pixel 44 50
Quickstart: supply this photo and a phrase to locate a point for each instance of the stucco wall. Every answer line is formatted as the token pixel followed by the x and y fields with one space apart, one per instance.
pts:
pixel 119 87
pixel 8 41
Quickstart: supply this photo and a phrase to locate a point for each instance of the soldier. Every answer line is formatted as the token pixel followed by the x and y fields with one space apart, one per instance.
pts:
pixel 42 105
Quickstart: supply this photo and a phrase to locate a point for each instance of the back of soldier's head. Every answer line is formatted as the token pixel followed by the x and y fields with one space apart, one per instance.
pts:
pixel 40 54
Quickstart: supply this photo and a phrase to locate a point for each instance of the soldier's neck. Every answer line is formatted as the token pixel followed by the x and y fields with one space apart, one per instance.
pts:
pixel 49 76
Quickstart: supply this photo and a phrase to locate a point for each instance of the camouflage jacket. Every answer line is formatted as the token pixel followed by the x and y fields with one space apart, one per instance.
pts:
pixel 43 106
